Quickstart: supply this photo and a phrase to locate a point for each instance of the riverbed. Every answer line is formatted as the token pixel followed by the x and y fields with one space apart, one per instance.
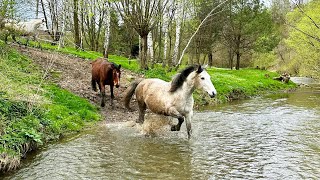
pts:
pixel 272 137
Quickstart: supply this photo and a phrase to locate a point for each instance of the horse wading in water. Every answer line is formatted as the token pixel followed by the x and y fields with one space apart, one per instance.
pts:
pixel 171 98
pixel 105 73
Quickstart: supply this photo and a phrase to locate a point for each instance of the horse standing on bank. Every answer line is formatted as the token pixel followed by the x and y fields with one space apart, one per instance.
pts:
pixel 171 98
pixel 105 73
pixel 29 28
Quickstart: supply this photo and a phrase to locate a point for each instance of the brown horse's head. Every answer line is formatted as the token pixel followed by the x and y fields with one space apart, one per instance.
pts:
pixel 116 73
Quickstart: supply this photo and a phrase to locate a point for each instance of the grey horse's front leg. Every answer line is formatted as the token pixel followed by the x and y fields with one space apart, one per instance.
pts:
pixel 188 123
pixel 177 126
pixel 174 113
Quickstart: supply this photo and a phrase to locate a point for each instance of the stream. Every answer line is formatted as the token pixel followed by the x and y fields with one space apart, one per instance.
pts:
pixel 272 137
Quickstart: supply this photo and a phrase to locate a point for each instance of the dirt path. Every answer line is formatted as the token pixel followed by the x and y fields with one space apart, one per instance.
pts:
pixel 74 74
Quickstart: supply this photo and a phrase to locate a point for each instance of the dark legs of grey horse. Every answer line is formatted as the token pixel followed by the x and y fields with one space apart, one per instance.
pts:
pixel 188 123
pixel 178 126
pixel 142 111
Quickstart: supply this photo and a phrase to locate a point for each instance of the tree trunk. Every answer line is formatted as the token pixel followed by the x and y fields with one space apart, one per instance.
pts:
pixel 198 51
pixel 82 32
pixel 107 31
pixel 238 61
pixel 143 60
pixel 61 36
pixel 76 24
pixel 169 52
pixel 54 20
pixel 159 42
pixel 44 14
pixel 160 32
pixel 230 58
pixel 150 47
pixel 165 36
pixel 204 59
pixel 37 9
pixel 210 59
pixel 178 31
pixel 238 52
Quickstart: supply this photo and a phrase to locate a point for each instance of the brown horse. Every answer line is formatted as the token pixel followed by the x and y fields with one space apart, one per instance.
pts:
pixel 105 73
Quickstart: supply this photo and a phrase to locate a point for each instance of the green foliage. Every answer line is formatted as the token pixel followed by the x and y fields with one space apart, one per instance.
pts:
pixel 304 49
pixel 264 60
pixel 249 28
pixel 33 111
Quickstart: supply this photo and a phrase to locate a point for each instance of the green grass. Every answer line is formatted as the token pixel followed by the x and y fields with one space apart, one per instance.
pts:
pixel 34 111
pixel 238 84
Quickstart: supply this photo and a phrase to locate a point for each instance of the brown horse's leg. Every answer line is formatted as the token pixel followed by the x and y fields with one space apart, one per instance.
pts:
pixel 103 95
pixel 94 85
pixel 178 126
pixel 112 96
pixel 142 111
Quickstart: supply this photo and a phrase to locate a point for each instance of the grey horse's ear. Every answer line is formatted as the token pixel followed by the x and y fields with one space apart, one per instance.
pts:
pixel 205 66
pixel 200 69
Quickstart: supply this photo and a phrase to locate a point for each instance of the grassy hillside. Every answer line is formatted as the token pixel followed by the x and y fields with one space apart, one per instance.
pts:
pixel 33 110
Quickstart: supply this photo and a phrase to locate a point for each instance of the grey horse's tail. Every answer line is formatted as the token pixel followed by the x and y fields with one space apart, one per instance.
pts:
pixel 129 92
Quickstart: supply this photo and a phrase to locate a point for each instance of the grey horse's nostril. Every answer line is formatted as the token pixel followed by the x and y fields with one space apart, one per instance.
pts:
pixel 212 95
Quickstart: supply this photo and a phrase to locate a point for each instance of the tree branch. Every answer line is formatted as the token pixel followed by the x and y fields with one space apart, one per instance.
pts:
pixel 301 10
pixel 202 22
pixel 311 36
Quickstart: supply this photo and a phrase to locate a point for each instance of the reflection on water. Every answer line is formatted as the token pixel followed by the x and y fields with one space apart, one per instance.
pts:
pixel 276 137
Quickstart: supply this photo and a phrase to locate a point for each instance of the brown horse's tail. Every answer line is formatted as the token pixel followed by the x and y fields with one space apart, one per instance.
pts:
pixel 129 92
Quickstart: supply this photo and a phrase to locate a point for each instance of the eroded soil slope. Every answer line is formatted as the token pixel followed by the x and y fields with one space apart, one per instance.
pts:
pixel 74 74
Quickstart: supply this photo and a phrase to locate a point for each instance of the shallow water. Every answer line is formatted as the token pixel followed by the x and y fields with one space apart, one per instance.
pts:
pixel 274 137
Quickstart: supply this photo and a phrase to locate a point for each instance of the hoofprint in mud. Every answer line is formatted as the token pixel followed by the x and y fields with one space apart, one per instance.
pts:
pixel 74 74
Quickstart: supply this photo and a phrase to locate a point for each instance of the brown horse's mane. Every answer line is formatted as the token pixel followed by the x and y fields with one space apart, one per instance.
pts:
pixel 178 80
pixel 116 66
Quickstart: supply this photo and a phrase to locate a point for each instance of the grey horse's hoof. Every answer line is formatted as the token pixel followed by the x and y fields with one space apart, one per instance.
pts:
pixel 174 128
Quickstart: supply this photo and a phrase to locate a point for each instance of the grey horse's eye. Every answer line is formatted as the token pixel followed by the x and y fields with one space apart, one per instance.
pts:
pixel 202 78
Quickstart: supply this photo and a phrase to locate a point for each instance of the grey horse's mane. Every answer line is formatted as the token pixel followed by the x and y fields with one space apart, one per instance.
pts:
pixel 178 80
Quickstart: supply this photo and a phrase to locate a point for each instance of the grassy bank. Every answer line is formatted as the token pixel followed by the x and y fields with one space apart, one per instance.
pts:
pixel 230 84
pixel 34 111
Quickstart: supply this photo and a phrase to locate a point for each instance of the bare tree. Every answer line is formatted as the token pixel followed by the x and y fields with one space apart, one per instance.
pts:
pixel 142 15
pixel 76 24
pixel 178 17
pixel 107 29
